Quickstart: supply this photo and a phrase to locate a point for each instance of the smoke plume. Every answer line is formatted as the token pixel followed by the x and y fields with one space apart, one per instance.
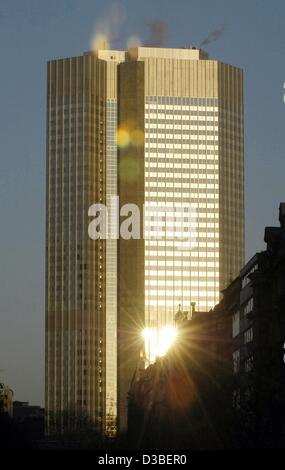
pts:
pixel 108 30
pixel 213 36
pixel 157 34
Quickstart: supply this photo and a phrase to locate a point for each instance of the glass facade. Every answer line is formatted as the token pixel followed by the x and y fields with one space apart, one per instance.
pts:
pixel 75 266
pixel 111 271
pixel 182 162
pixel 181 207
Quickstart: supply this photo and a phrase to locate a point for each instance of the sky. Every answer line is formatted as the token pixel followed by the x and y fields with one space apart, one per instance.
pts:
pixel 34 31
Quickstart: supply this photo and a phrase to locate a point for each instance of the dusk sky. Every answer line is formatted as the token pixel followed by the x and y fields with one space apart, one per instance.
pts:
pixel 34 31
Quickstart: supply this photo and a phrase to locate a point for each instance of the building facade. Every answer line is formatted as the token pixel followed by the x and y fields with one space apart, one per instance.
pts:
pixel 258 330
pixel 187 173
pixel 81 319
pixel 162 129
pixel 6 399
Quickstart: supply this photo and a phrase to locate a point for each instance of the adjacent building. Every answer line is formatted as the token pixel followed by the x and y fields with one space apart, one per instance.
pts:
pixel 184 399
pixel 163 130
pixel 23 410
pixel 6 399
pixel 258 330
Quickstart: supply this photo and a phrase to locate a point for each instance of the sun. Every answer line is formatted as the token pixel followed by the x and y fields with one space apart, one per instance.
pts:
pixel 158 341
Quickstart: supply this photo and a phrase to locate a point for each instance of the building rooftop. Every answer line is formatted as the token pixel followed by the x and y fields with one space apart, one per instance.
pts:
pixel 141 53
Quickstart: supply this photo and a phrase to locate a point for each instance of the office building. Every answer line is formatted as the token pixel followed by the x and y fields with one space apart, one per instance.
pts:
pixel 81 274
pixel 177 118
pixel 258 331
pixel 188 174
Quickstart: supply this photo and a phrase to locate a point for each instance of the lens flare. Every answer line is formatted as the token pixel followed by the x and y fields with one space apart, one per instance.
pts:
pixel 123 138
pixel 158 341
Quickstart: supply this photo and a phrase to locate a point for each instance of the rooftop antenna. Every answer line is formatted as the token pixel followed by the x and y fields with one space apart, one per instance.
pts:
pixel 193 309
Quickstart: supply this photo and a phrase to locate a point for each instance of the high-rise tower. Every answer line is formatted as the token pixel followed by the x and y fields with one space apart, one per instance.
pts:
pixel 81 274
pixel 188 173
pixel 180 160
